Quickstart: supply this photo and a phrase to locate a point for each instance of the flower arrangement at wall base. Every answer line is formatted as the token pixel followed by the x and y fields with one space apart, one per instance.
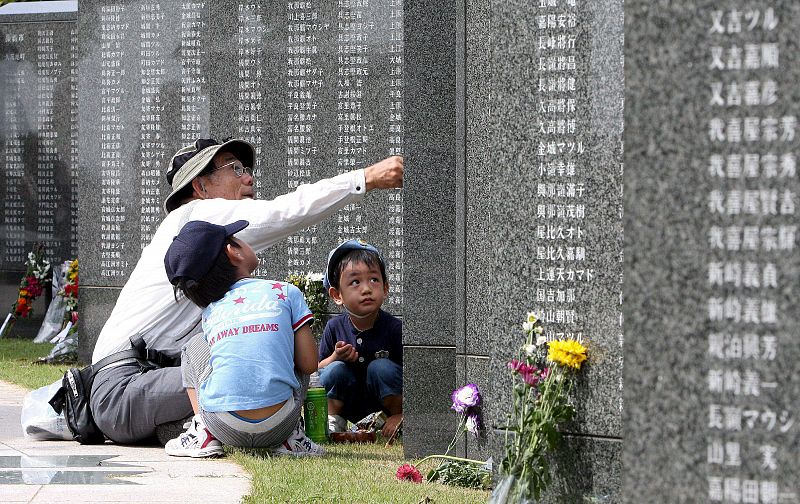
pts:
pixel 36 279
pixel 66 341
pixel 452 470
pixel 70 293
pixel 311 286
pixel 544 374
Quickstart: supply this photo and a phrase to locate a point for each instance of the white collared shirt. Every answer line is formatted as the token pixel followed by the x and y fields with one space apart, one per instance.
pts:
pixel 146 305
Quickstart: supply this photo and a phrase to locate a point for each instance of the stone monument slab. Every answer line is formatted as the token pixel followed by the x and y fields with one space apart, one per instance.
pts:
pixel 317 89
pixel 555 213
pixel 434 263
pixel 38 135
pixel 711 391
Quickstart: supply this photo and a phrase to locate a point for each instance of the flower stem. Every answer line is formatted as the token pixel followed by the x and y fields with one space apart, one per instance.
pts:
pixel 459 430
pixel 450 457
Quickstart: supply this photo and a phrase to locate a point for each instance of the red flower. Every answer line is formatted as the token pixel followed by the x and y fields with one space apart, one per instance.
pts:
pixel 71 290
pixel 22 308
pixel 408 472
pixel 33 286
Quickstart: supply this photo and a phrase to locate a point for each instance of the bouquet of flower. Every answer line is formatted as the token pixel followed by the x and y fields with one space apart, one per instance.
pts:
pixel 313 291
pixel 66 341
pixel 544 375
pixel 70 290
pixel 36 279
pixel 453 470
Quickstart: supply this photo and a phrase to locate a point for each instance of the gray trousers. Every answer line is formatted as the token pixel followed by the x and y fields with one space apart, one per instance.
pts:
pixel 233 430
pixel 128 402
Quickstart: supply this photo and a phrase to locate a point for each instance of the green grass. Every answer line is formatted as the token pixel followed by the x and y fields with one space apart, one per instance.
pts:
pixel 347 474
pixel 18 363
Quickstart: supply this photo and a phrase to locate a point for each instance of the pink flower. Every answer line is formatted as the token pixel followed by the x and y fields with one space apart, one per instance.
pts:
pixel 465 397
pixel 530 374
pixel 532 378
pixel 514 365
pixel 408 472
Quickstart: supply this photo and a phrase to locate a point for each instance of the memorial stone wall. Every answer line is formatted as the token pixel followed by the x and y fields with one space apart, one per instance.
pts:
pixel 315 87
pixel 38 138
pixel 711 252
pixel 510 120
pixel 545 211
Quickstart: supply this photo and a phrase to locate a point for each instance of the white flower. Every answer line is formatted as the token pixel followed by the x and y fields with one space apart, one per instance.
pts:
pixel 532 318
pixel 541 340
pixel 528 326
pixel 473 424
pixel 314 277
pixel 530 349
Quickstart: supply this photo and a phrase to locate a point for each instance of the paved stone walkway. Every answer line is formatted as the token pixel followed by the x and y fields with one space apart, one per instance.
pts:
pixel 64 471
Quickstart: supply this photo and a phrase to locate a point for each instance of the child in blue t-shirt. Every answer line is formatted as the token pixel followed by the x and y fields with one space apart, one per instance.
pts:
pixel 247 374
pixel 361 352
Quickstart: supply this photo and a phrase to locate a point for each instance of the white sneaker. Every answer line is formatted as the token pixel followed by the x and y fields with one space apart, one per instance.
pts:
pixel 337 423
pixel 196 442
pixel 299 445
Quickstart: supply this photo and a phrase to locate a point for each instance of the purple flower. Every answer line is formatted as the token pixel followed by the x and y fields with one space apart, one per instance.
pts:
pixel 473 424
pixel 465 397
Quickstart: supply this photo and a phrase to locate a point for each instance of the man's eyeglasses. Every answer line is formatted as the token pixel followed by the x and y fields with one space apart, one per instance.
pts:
pixel 238 168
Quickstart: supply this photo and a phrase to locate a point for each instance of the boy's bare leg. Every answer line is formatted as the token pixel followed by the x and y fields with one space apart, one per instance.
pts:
pixel 192 393
pixel 393 405
pixel 335 406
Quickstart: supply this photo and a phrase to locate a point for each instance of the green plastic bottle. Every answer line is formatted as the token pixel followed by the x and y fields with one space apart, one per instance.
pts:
pixel 315 410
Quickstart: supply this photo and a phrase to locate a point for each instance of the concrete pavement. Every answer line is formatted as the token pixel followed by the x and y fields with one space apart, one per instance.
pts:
pixel 41 472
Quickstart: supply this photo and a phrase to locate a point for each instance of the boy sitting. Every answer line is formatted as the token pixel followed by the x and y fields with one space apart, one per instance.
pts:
pixel 361 352
pixel 247 374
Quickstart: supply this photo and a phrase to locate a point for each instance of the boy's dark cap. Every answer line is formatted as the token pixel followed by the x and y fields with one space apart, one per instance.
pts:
pixel 193 251
pixel 336 255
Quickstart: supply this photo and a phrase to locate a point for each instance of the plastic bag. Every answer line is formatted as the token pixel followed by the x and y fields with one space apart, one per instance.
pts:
pixel 39 420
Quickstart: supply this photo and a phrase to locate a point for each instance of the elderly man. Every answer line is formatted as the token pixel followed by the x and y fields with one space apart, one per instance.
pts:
pixel 211 181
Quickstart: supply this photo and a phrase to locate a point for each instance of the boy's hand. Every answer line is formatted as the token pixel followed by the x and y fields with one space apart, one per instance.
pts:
pixel 345 352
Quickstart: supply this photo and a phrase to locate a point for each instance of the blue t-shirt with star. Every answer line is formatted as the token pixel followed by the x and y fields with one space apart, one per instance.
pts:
pixel 250 333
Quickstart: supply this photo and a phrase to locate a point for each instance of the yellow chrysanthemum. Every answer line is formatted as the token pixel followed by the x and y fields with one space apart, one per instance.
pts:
pixel 566 352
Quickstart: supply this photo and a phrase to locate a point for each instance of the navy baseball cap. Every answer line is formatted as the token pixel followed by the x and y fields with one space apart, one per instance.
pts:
pixel 194 250
pixel 335 255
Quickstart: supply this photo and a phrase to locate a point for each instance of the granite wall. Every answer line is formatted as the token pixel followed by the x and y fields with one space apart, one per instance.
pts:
pixel 544 213
pixel 510 119
pixel 38 136
pixel 38 146
pixel 315 87
pixel 711 389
